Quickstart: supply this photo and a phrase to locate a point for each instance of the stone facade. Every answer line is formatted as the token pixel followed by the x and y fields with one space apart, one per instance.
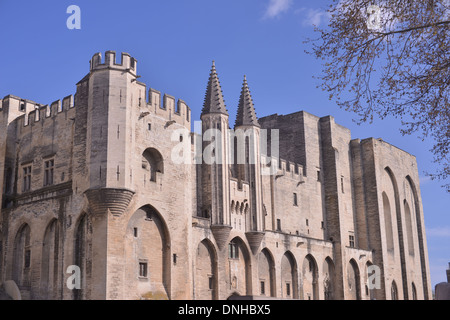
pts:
pixel 95 181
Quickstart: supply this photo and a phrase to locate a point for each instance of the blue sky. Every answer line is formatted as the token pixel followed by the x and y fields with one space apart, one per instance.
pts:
pixel 175 42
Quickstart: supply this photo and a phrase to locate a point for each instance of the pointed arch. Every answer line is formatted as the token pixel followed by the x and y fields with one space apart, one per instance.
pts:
pixel 329 279
pixel 388 223
pixel 22 256
pixel 152 163
pixel 49 263
pixel 266 273
pixel 354 280
pixel 399 231
pixel 414 291
pixel 368 282
pixel 82 257
pixel 409 230
pixel 206 272
pixel 394 291
pixel 239 266
pixel 310 278
pixel 148 246
pixel 420 235
pixel 289 276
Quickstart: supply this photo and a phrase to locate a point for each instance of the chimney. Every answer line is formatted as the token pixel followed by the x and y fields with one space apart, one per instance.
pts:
pixel 448 273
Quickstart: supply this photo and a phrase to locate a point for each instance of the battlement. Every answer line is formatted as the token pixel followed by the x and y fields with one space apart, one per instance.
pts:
pixel 168 107
pixel 286 168
pixel 14 104
pixel 240 190
pixel 127 62
pixel 48 111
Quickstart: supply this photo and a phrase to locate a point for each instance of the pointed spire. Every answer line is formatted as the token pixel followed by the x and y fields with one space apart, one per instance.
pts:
pixel 214 102
pixel 246 114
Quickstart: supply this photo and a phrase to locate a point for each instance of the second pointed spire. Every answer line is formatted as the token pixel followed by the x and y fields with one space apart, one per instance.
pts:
pixel 246 115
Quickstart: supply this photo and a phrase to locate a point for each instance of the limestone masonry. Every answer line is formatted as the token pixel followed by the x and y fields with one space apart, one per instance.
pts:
pixel 91 181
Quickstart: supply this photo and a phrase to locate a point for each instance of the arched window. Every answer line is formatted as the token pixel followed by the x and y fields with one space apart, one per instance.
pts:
pixel 238 268
pixel 49 264
pixel 329 279
pixel 152 163
pixel 394 291
pixel 409 228
pixel 80 252
pixel 388 223
pixel 206 271
pixel 414 291
pixel 289 276
pixel 353 278
pixel 22 256
pixel 266 273
pixel 310 278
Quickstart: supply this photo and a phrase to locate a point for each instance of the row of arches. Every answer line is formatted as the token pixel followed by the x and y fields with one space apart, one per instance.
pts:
pixel 48 255
pixel 284 279
pixel 403 232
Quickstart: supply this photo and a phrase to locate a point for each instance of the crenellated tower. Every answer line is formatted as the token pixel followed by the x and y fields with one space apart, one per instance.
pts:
pixel 103 126
pixel 214 168
pixel 248 163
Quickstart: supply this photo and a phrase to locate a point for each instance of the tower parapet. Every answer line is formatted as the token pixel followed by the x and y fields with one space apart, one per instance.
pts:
pixel 127 62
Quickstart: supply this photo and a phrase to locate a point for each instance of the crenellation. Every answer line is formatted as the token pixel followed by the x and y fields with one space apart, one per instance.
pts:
pixel 170 108
pixel 169 103
pixel 154 98
pixel 41 112
pixel 127 63
pixel 68 103
pixel 44 112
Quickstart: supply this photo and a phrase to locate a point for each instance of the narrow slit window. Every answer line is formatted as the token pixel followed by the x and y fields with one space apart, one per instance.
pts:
pixel 211 282
pixel 143 269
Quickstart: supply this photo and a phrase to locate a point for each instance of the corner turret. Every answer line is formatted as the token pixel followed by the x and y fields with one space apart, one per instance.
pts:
pixel 215 203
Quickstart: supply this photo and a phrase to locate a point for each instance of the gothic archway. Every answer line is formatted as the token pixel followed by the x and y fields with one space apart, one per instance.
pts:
pixel 289 276
pixel 49 263
pixel 310 278
pixel 22 257
pixel 266 273
pixel 148 251
pixel 206 281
